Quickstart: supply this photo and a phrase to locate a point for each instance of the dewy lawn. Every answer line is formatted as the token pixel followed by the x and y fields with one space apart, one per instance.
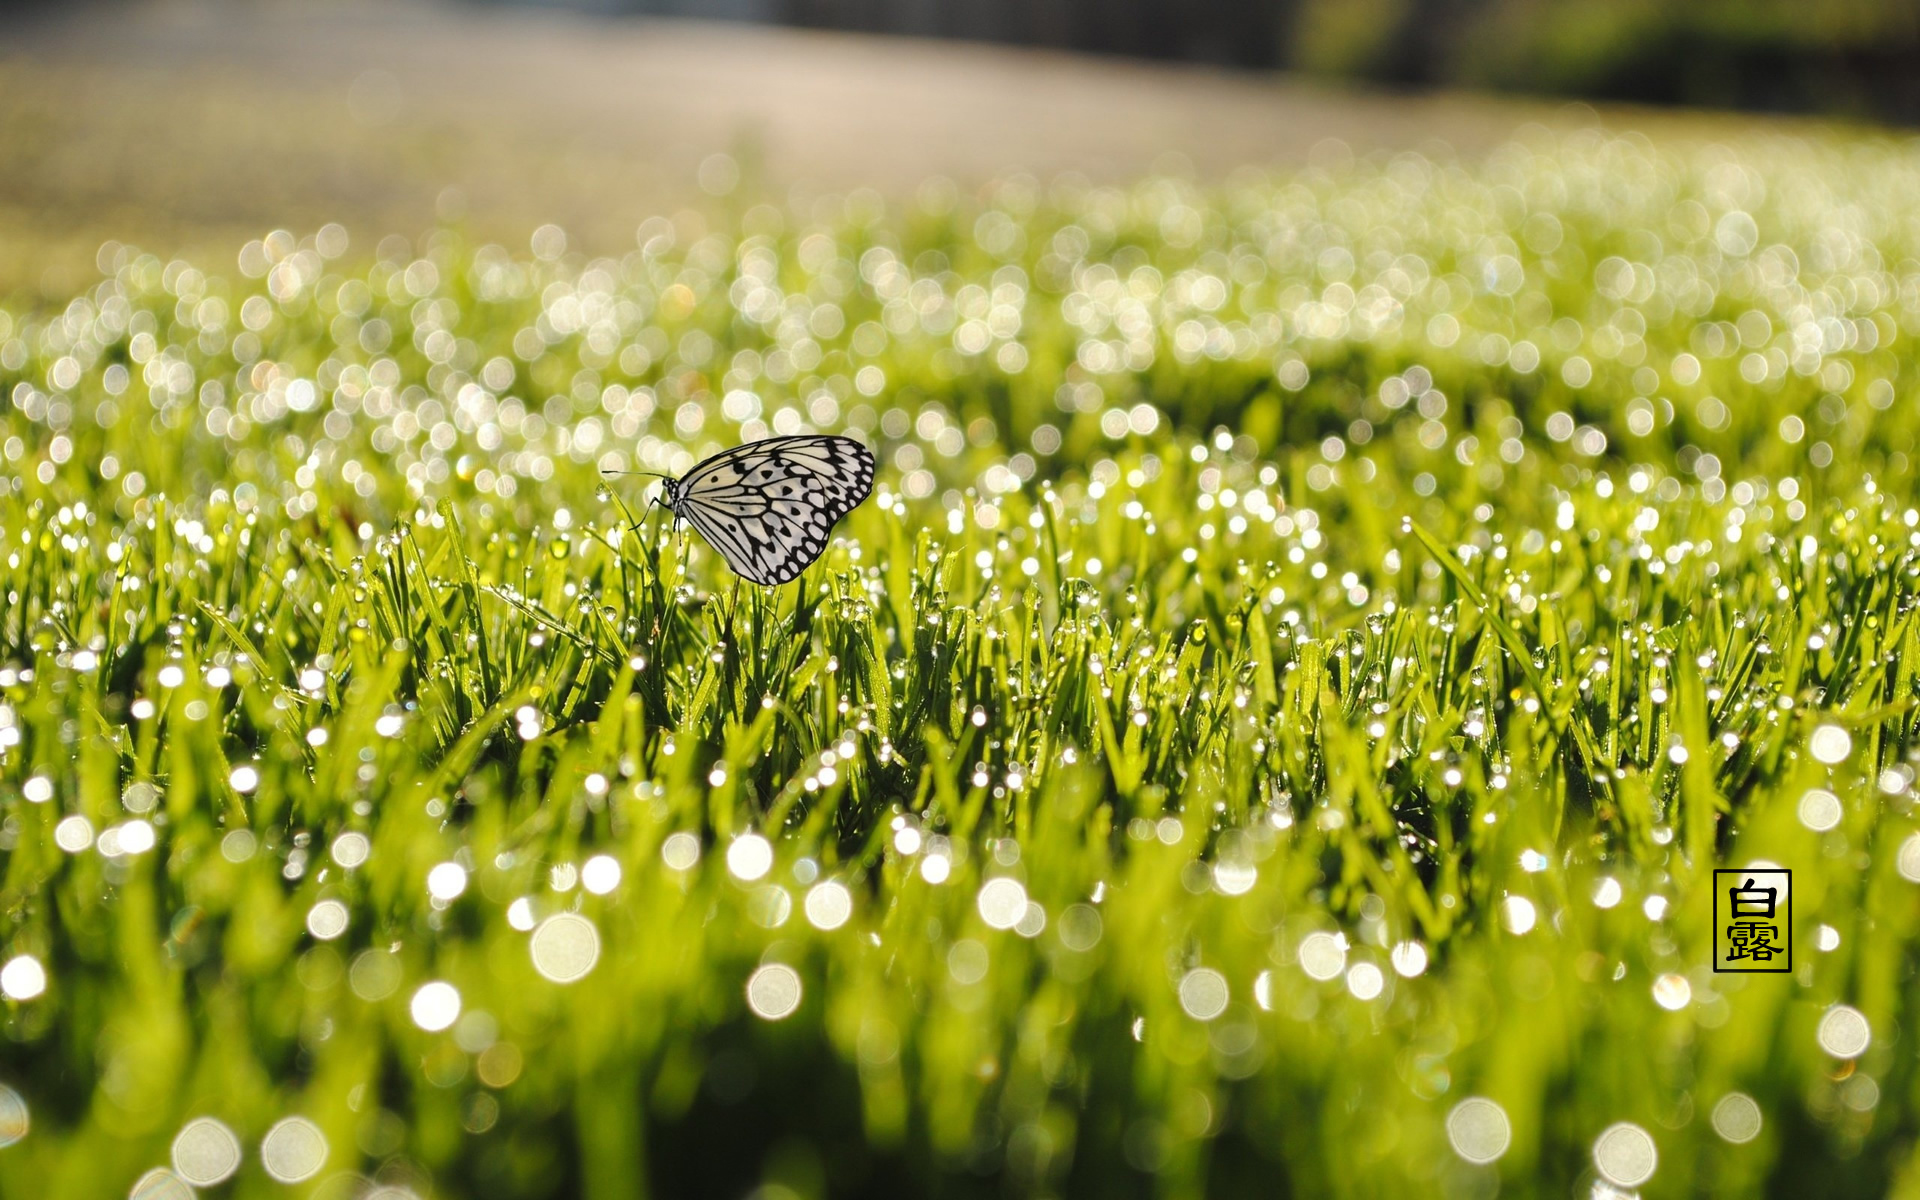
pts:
pixel 1271 731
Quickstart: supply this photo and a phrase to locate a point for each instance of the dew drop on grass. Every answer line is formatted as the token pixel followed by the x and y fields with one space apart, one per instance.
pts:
pixel 238 845
pixel 1625 1155
pixel 499 1064
pixel 15 1118
pixel 600 874
pixel 1736 1118
pixel 351 849
pixel 435 1006
pixel 1234 878
pixel 1002 902
pixel 1323 956
pixel 520 914
pixel 1080 927
pixel 73 834
pixel 130 837
pixel 1409 959
pixel 828 905
pixel 1366 981
pixel 774 991
pixel 967 961
pixel 1032 922
pixel 374 975
pixel 1518 914
pixel 160 1184
pixel 565 947
pixel 1844 1032
pixel 1672 992
pixel 1820 810
pixel 1830 744
pixel 680 851
pixel 327 920
pixel 446 881
pixel 139 798
pixel 205 1152
pixel 294 1150
pixel 769 906
pixel 1478 1130
pixel 22 978
pixel 750 857
pixel 1204 993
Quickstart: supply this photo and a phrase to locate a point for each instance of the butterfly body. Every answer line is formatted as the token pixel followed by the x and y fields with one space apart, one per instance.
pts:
pixel 769 506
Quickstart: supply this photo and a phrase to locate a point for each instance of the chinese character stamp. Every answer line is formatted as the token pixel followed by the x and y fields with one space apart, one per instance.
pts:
pixel 1753 920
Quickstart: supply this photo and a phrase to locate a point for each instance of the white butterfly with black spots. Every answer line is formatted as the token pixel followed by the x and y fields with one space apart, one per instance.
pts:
pixel 768 506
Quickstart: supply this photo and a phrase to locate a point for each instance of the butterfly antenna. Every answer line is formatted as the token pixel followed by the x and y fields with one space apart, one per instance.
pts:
pixel 655 474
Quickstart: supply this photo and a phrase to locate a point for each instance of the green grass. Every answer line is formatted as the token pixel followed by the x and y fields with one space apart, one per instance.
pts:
pixel 1461 556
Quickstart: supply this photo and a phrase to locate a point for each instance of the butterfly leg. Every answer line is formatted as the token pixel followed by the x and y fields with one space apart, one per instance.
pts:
pixel 650 507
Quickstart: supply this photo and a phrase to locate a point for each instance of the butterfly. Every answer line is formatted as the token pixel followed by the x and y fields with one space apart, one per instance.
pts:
pixel 768 506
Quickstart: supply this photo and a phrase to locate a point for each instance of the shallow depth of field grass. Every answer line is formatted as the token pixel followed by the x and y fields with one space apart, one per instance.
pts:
pixel 1309 645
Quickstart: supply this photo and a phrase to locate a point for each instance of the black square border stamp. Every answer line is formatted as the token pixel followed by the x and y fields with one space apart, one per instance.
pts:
pixel 1753 920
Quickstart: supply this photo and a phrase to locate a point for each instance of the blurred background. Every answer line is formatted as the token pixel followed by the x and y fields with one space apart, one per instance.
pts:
pixel 190 126
pixel 1847 56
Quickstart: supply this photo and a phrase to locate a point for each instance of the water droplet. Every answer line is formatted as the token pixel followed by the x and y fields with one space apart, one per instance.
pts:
pixel 435 1006
pixel 1002 902
pixel 1479 1130
pixel 773 992
pixel 1625 1154
pixel 1204 993
pixel 1737 1118
pixel 565 947
pixel 205 1152
pixel 1844 1032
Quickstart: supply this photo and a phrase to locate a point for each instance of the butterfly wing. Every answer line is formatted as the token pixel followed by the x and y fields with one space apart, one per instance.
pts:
pixel 769 506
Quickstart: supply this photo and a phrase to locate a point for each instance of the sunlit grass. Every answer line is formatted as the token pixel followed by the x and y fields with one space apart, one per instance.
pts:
pixel 1309 645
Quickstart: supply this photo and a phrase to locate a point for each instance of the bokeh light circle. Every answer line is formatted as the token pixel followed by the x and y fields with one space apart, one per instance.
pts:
pixel 1820 810
pixel 750 857
pixel 1844 1032
pixel 1323 956
pixel 774 992
pixel 327 920
pixel 1478 1130
pixel 293 1150
pixel 205 1152
pixel 565 947
pixel 1002 902
pixel 15 1117
pixel 435 1006
pixel 22 978
pixel 1737 1118
pixel 1625 1154
pixel 829 905
pixel 1203 993
pixel 1830 744
pixel 160 1184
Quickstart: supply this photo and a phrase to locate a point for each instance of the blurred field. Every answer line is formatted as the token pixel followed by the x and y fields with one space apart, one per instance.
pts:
pixel 191 128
